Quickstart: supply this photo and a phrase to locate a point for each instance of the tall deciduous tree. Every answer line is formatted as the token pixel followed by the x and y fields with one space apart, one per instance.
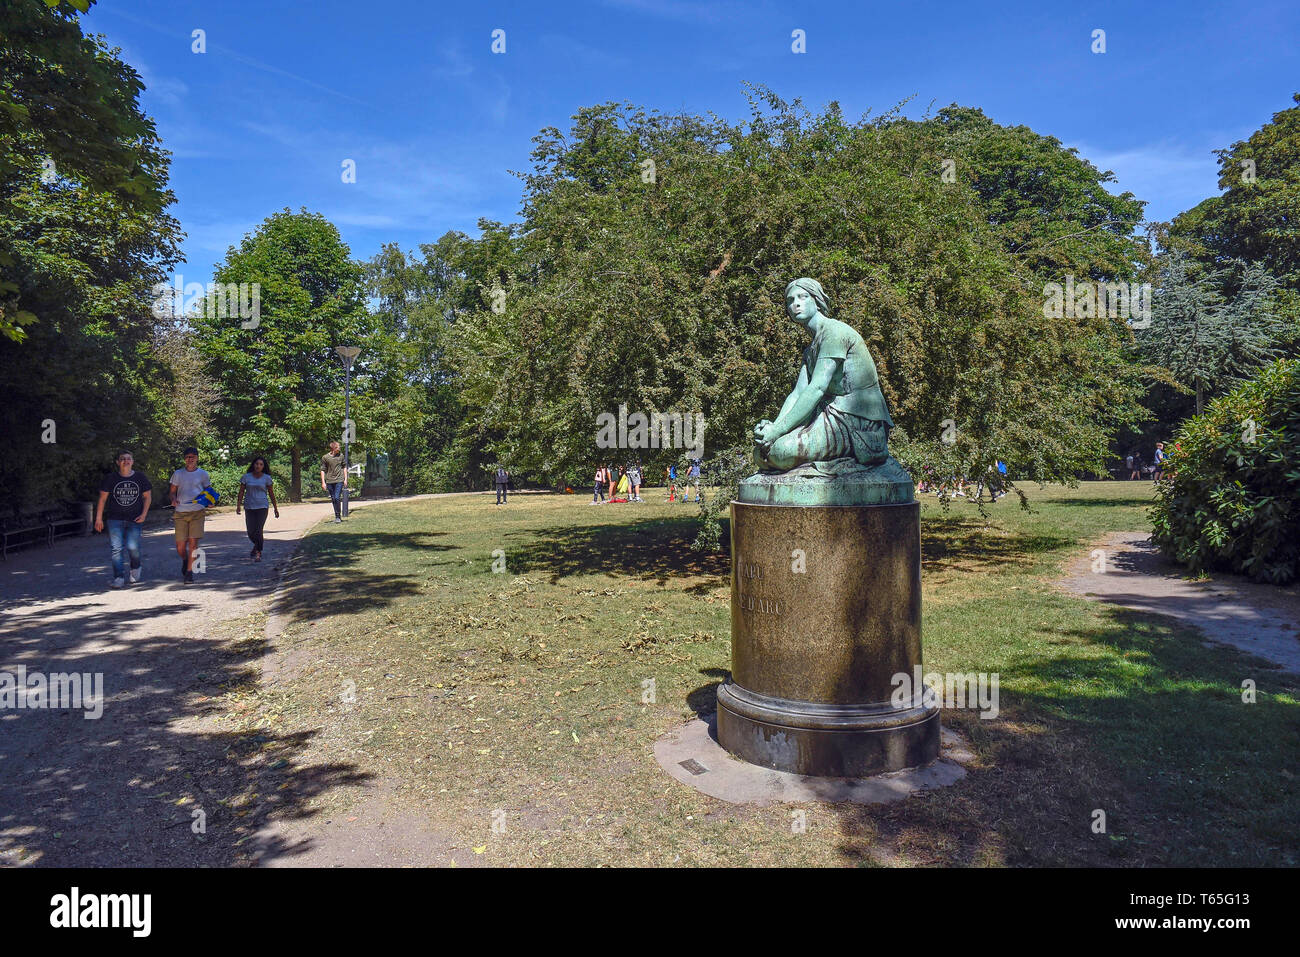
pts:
pixel 417 299
pixel 281 382
pixel 650 265
pixel 82 239
pixel 69 114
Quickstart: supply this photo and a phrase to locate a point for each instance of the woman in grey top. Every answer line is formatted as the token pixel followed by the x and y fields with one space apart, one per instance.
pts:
pixel 256 489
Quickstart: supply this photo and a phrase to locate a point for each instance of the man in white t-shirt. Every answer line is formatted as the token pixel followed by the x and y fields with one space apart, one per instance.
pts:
pixel 186 485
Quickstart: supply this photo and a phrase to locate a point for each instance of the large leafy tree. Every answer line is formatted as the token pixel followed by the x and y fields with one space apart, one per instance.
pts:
pixel 280 381
pixel 417 298
pixel 70 112
pixel 650 263
pixel 1257 216
pixel 82 239
pixel 1048 205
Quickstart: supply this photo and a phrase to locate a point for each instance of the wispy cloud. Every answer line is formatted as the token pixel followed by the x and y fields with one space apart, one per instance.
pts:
pixel 213 48
pixel 1171 177
pixel 453 63
pixel 395 180
pixel 708 11
pixel 575 51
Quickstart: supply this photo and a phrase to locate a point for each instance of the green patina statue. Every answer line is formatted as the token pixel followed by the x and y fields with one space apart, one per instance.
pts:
pixel 829 444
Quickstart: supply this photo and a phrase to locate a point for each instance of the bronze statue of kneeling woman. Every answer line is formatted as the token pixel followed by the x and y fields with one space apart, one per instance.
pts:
pixel 836 410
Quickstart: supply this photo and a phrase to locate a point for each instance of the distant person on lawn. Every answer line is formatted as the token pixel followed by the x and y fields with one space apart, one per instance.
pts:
pixel 599 488
pixel 503 480
pixel 692 478
pixel 127 494
pixel 636 482
pixel 333 474
pixel 187 484
pixel 256 494
pixel 1159 470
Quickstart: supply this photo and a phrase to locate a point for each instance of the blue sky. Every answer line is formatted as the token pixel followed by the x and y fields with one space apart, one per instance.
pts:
pixel 411 91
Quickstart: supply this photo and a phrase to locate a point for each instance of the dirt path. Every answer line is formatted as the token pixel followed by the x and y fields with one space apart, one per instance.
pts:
pixel 1263 620
pixel 157 779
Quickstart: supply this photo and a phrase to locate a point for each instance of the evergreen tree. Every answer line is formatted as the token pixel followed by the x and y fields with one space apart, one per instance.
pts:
pixel 1206 338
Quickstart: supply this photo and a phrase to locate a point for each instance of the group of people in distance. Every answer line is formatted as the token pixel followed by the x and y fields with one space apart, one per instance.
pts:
pixel 1134 465
pixel 624 483
pixel 955 485
pixel 125 497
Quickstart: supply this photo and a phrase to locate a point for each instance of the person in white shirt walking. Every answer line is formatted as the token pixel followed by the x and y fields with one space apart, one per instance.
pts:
pixel 187 485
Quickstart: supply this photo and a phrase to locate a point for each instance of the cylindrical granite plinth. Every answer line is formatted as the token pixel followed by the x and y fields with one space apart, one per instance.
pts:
pixel 825 611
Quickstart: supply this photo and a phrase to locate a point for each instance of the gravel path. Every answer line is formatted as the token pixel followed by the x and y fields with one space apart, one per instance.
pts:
pixel 155 780
pixel 1263 620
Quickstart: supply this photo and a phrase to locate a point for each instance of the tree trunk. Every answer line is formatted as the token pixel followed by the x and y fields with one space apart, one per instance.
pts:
pixel 295 479
pixel 1200 397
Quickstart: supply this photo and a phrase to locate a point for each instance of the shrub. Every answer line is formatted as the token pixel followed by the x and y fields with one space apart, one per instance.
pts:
pixel 719 484
pixel 1233 499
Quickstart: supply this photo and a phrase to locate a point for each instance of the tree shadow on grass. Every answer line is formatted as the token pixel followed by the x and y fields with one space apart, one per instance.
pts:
pixel 966 545
pixel 653 549
pixel 1107 502
pixel 1159 739
pixel 324 581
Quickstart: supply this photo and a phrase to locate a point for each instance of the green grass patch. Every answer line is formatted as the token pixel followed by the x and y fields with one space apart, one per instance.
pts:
pixel 519 693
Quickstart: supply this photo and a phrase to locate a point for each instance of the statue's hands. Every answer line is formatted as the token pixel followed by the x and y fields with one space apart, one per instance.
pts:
pixel 765 433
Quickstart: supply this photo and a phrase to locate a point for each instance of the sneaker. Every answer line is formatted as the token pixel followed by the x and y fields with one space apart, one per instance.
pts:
pixel 189 578
pixel 257 557
pixel 119 582
pixel 136 574
pixel 337 520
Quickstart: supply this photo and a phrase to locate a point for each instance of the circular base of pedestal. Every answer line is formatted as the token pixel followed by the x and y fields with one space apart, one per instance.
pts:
pixel 824 740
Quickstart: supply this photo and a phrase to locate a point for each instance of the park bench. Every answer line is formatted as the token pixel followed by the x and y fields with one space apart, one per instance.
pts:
pixel 19 530
pixel 64 523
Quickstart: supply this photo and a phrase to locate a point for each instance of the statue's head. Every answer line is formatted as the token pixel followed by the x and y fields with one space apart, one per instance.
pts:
pixel 804 298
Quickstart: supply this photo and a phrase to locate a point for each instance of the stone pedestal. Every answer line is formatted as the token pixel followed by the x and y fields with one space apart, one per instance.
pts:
pixel 825 611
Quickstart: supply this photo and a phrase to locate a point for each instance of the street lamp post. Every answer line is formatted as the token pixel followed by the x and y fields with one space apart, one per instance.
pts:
pixel 347 353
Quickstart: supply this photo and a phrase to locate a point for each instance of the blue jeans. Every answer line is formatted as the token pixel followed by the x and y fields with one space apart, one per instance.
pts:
pixel 336 490
pixel 123 534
